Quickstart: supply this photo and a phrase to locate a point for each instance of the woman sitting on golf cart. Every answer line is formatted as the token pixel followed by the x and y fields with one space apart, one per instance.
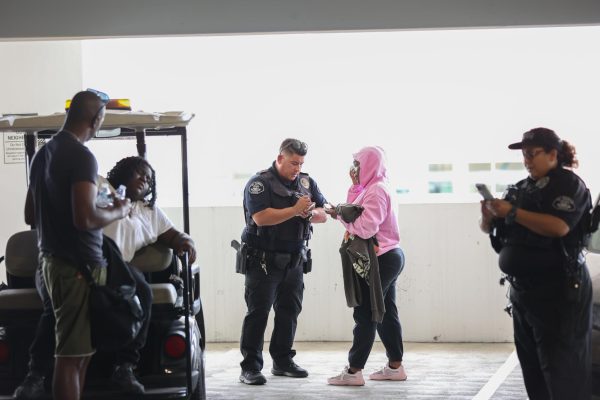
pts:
pixel 146 223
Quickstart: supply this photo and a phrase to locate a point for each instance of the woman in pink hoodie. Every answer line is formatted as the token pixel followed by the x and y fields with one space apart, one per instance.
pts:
pixel 378 219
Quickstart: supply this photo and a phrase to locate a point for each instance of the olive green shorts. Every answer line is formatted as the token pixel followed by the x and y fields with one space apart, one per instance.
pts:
pixel 69 292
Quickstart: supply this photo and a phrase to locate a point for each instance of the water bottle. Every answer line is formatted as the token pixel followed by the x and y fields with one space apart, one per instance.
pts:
pixel 104 198
pixel 120 192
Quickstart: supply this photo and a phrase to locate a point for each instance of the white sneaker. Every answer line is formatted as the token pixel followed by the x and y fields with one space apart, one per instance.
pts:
pixel 347 379
pixel 386 373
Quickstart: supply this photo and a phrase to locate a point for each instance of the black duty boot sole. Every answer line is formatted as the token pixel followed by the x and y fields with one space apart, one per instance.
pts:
pixel 294 374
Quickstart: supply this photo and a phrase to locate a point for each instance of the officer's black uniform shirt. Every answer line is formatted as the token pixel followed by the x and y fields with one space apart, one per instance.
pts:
pixel 259 195
pixel 561 193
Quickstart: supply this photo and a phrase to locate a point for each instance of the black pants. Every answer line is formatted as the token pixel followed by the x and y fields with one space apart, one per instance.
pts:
pixel 131 352
pixel 41 351
pixel 281 288
pixel 553 340
pixel 389 330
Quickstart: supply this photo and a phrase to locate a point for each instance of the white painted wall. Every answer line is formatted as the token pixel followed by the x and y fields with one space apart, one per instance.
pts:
pixel 34 77
pixel 448 291
pixel 454 97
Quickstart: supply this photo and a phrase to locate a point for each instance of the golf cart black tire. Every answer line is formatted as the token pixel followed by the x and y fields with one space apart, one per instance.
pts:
pixel 199 392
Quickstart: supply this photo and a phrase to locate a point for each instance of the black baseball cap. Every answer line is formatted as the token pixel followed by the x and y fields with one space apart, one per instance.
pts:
pixel 541 137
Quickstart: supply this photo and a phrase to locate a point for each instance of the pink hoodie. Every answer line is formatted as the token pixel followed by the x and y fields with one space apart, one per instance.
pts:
pixel 378 218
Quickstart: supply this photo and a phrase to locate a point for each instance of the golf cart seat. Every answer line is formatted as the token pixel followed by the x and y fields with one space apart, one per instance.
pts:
pixel 21 261
pixel 156 257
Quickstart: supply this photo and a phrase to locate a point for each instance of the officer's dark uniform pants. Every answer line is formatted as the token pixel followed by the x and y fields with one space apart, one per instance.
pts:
pixel 389 330
pixel 41 351
pixel 553 340
pixel 281 288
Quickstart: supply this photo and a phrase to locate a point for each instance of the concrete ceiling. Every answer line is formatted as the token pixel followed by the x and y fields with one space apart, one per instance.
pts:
pixel 38 19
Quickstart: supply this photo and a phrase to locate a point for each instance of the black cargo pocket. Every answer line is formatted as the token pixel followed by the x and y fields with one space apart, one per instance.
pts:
pixel 281 260
pixel 254 273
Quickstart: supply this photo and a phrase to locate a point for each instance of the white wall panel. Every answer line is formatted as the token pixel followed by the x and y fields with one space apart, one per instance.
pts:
pixel 448 291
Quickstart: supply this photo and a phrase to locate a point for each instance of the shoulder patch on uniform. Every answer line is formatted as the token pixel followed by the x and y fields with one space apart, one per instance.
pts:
pixel 256 187
pixel 542 182
pixel 564 203
pixel 305 183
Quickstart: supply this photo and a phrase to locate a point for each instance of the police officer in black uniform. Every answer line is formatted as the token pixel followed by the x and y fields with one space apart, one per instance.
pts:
pixel 539 230
pixel 280 204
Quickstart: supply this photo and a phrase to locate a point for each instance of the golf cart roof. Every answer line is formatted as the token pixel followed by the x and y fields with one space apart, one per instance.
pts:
pixel 136 120
pixel 118 124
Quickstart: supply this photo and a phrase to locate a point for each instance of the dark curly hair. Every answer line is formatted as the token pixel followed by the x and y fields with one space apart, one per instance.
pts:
pixel 567 155
pixel 123 171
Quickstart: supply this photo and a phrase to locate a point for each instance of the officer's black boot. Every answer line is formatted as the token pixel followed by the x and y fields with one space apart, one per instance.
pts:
pixel 253 378
pixel 290 369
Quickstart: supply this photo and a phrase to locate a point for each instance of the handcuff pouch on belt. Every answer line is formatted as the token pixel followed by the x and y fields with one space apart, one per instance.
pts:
pixel 306 259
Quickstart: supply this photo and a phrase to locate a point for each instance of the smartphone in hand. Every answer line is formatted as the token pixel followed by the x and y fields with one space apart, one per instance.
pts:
pixel 484 191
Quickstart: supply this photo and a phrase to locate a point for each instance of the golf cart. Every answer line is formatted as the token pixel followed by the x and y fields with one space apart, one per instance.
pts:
pixel 172 362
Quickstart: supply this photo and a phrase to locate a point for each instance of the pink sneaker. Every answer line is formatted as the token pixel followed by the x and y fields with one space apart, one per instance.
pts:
pixel 387 373
pixel 347 379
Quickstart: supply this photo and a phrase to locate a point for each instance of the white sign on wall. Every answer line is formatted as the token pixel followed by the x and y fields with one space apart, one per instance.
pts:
pixel 14 148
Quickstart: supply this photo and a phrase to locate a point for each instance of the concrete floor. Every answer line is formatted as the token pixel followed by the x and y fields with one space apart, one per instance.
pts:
pixel 435 371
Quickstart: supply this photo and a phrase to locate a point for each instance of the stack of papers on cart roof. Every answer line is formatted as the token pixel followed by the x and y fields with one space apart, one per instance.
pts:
pixel 113 119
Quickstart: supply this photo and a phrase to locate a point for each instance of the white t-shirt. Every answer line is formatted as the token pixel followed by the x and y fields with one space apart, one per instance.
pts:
pixel 140 228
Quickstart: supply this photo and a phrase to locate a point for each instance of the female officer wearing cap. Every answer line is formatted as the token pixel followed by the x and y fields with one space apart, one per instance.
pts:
pixel 538 231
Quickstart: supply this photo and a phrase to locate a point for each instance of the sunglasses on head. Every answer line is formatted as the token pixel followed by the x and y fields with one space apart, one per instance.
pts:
pixel 103 96
pixel 296 145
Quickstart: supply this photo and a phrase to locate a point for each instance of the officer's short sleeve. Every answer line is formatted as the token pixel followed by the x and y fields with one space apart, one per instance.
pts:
pixel 565 198
pixel 317 196
pixel 256 195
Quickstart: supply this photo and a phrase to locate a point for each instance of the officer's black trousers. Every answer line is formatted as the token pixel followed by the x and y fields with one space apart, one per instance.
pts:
pixel 553 340
pixel 281 288
pixel 389 330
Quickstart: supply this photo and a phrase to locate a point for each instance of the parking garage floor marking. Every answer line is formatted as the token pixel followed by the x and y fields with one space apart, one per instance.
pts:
pixel 488 390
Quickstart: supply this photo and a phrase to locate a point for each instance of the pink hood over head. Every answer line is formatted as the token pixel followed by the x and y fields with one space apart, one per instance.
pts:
pixel 372 165
pixel 378 217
